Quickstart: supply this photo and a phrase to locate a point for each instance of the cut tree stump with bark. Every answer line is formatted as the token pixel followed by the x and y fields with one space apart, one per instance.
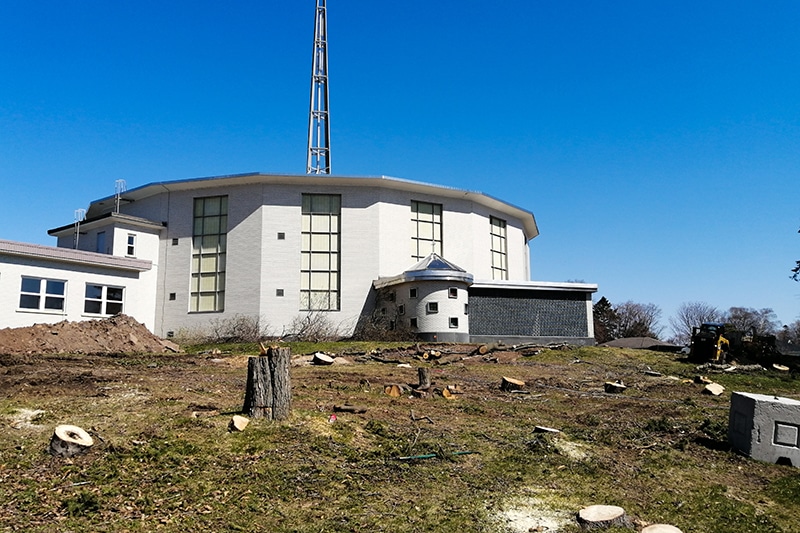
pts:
pixel 511 384
pixel 69 441
pixel 603 517
pixel 424 378
pixel 269 392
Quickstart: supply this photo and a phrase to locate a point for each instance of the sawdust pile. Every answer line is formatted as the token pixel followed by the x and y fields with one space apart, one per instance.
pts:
pixel 119 334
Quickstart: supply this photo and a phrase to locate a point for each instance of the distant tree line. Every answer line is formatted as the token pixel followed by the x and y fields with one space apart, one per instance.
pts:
pixel 631 319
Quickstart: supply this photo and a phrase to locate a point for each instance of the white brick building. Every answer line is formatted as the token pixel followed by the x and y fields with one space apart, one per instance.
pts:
pixel 177 255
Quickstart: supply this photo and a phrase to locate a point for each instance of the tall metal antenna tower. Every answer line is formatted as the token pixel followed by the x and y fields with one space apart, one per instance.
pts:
pixel 80 214
pixel 319 129
pixel 119 187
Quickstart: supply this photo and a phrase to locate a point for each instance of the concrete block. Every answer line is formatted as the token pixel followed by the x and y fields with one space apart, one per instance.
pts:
pixel 766 428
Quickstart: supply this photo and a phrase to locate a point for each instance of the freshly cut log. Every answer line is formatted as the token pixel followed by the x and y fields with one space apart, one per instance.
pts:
pixel 68 441
pixel 395 390
pixel 603 517
pixel 510 384
pixel 238 423
pixel 661 528
pixel 616 387
pixel 322 359
pixel 714 389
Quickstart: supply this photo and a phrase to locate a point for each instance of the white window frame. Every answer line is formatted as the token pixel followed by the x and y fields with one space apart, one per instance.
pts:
pixel 110 299
pixel 130 245
pixel 46 295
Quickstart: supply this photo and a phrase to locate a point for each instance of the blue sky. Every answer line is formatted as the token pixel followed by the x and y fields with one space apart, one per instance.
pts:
pixel 657 143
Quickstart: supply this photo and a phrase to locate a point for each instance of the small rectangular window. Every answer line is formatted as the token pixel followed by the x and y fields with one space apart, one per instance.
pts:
pixel 172 296
pixel 131 247
pixel 175 241
pixel 453 321
pixel 466 309
pixel 432 307
pixel 414 322
pixel 281 236
pixel 412 293
pixel 279 292
pixel 401 309
pixel 452 292
pixel 392 296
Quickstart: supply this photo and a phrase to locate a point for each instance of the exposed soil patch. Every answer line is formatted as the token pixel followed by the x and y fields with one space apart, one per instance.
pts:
pixel 119 334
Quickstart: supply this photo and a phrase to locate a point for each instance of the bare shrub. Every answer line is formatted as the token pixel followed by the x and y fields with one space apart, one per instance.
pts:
pixel 379 327
pixel 315 326
pixel 238 328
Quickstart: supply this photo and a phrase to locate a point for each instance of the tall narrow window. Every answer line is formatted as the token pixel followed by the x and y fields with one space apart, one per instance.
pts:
pixel 319 252
pixel 131 245
pixel 426 229
pixel 499 250
pixel 209 244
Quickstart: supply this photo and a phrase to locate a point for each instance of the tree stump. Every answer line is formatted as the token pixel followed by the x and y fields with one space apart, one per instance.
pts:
pixel 603 517
pixel 424 378
pixel 661 528
pixel 511 384
pixel 269 392
pixel 68 441
pixel 322 359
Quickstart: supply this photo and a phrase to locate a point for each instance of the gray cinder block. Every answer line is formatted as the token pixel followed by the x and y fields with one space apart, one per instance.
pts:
pixel 766 428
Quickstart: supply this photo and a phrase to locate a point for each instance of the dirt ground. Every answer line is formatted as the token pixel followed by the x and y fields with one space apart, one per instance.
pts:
pixel 119 334
pixel 661 430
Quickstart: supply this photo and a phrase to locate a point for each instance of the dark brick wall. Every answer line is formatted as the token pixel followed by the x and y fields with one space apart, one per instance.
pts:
pixel 528 313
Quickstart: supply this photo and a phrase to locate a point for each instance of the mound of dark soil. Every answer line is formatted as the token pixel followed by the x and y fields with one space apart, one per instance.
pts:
pixel 119 334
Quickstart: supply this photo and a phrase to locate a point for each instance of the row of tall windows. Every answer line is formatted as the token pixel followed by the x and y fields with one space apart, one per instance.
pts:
pixel 40 294
pixel 319 250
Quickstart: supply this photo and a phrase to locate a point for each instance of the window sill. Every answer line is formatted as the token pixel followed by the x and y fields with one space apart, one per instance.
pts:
pixel 42 311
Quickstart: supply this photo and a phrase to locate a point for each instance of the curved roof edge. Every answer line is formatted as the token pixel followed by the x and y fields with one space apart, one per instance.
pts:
pixel 103 205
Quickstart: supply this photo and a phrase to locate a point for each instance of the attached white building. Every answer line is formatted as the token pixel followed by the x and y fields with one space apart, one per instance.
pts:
pixel 178 255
